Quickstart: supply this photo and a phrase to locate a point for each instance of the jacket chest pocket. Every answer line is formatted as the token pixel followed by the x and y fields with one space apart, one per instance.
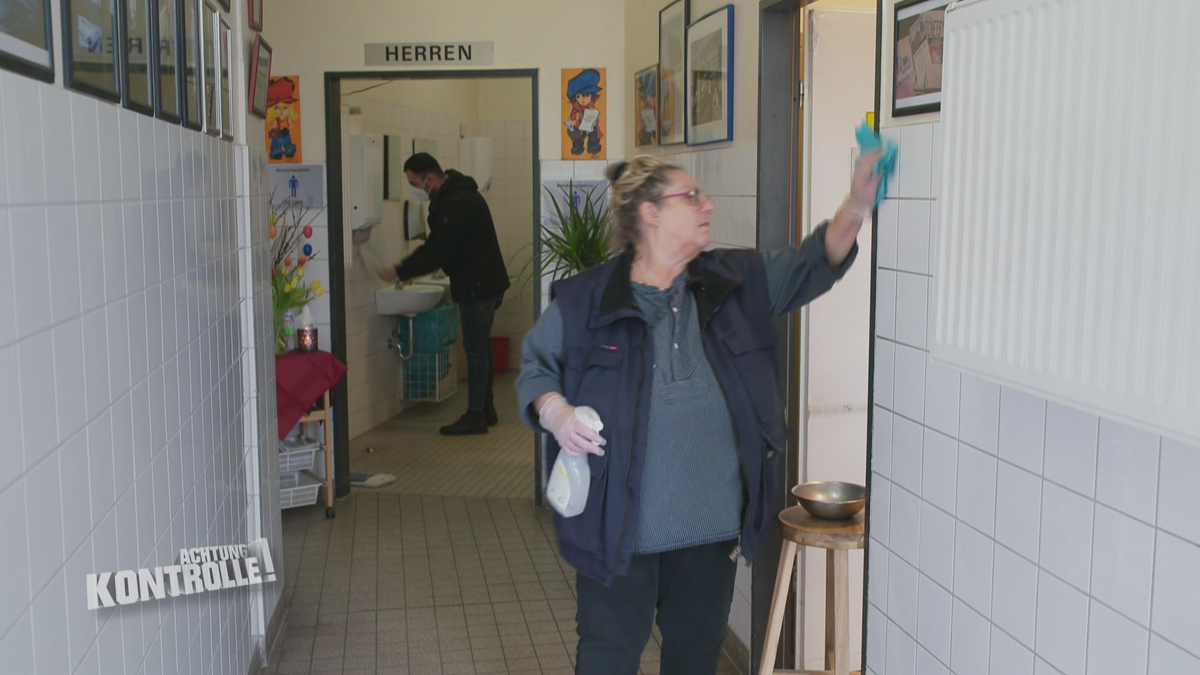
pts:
pixel 754 357
pixel 597 356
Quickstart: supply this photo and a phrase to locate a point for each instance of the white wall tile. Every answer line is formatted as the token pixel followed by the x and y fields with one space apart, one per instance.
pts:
pixel 43 515
pixel 885 367
pixel 1116 645
pixel 877 627
pixel 69 371
pixel 10 413
pixel 1022 429
pixel 1176 592
pixel 1067 535
pixel 23 132
pixel 973 557
pixel 49 617
pixel 17 647
pixel 927 664
pixel 130 153
pixel 881 442
pixel 74 485
pixel 1014 595
pixel 909 386
pixel 1018 521
pixel 31 264
pixel 906 454
pixel 888 233
pixel 934 618
pixel 880 508
pixel 1061 625
pixel 912 305
pixel 14 595
pixel 942 396
pixel 1178 498
pixel 902 594
pixel 937 545
pixel 901 652
pixel 8 301
pixel 979 413
pixel 81 621
pixel 877 577
pixel 1009 657
pixel 970 639
pixel 1123 564
pixel 91 260
pixel 904 536
pixel 110 153
pixel 912 245
pixel 936 161
pixel 57 146
pixel 38 401
pixel 1071 448
pixel 939 470
pixel 916 161
pixel 100 466
pixel 885 304
pixel 977 489
pixel 1167 658
pixel 893 185
pixel 1127 470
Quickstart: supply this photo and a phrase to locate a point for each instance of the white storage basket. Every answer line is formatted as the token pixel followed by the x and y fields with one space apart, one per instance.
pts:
pixel 297 489
pixel 297 454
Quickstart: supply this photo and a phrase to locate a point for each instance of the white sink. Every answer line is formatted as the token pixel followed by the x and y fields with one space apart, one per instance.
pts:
pixel 442 281
pixel 407 301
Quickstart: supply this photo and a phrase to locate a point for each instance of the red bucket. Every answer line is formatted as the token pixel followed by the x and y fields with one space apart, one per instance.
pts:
pixel 500 354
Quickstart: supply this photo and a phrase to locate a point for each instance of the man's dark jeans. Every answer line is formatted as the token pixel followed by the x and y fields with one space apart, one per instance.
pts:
pixel 477 319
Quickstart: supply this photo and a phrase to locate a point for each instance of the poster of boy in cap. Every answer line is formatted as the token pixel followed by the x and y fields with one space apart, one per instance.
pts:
pixel 584 113
pixel 283 120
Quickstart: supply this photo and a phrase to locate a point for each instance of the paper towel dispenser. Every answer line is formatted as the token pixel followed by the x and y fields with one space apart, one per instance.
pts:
pixel 475 159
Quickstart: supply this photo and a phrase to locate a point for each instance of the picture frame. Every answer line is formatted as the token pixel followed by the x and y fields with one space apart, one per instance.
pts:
pixel 192 81
pixel 167 103
pixel 225 54
pixel 254 17
pixel 137 84
pixel 225 5
pixel 260 77
pixel 672 52
pixel 90 64
pixel 645 107
pixel 208 57
pixel 709 86
pixel 917 56
pixel 27 41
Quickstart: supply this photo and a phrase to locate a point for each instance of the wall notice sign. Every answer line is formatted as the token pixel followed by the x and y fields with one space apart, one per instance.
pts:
pixel 298 184
pixel 424 54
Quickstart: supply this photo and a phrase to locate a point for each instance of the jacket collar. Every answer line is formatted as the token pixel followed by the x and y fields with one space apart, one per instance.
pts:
pixel 708 287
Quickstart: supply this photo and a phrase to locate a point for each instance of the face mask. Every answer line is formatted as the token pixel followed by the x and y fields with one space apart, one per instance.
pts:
pixel 419 195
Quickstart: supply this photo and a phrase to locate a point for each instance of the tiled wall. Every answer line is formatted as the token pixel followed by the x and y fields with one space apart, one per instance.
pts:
pixel 1011 535
pixel 125 406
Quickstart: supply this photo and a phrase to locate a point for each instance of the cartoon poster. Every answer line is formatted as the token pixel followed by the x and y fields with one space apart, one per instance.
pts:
pixel 645 116
pixel 584 113
pixel 283 120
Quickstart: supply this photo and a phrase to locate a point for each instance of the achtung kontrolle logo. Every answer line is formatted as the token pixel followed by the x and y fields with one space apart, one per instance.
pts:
pixel 199 570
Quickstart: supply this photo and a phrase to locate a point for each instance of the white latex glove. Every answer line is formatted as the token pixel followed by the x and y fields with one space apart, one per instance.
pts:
pixel 574 436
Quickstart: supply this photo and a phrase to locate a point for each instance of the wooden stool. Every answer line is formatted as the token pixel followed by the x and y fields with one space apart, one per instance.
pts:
pixel 799 528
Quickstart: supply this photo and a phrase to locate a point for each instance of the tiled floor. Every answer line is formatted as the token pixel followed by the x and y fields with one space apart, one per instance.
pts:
pixel 442 580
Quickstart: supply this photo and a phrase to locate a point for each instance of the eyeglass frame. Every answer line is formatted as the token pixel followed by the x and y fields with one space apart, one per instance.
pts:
pixel 697 197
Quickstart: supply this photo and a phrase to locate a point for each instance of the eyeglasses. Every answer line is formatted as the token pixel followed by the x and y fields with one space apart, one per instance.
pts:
pixel 696 198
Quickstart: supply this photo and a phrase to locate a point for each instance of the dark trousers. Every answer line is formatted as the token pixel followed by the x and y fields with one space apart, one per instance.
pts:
pixel 691 589
pixel 477 319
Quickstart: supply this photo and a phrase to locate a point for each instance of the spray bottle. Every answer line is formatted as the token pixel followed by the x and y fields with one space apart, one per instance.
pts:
pixel 567 490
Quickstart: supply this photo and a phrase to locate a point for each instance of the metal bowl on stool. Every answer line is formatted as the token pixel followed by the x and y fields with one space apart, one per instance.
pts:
pixel 831 500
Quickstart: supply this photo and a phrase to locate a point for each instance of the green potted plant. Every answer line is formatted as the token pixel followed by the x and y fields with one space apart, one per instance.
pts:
pixel 580 241
pixel 291 227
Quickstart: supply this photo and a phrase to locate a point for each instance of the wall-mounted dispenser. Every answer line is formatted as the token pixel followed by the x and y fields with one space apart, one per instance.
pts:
pixel 475 160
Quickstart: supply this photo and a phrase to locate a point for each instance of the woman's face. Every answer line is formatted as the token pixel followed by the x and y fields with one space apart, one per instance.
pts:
pixel 682 219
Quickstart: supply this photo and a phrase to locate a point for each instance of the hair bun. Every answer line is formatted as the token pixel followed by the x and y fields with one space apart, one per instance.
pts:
pixel 615 171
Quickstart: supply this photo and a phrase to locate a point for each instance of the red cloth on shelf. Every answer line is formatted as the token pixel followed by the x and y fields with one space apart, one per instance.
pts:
pixel 301 378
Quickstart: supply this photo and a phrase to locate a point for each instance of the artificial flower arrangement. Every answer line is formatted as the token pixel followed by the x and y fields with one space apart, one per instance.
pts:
pixel 291 224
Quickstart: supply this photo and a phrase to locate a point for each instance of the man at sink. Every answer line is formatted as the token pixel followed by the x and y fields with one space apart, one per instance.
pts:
pixel 462 242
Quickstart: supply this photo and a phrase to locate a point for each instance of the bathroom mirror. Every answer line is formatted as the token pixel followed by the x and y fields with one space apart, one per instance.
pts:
pixel 394 153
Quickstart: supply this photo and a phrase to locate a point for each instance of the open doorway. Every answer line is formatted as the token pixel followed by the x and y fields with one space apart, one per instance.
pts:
pixel 484 124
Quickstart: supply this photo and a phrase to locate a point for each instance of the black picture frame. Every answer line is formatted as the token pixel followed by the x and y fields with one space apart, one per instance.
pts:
pixel 673 21
pixel 191 81
pixel 139 19
pixel 916 72
pixel 168 105
pixel 225 63
pixel 709 93
pixel 32 53
pixel 260 77
pixel 95 69
pixel 209 38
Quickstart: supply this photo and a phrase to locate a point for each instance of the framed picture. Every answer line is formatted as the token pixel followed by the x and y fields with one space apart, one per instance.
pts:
pixel 225 53
pixel 254 15
pixel 917 57
pixel 672 48
pixel 26 39
pixel 166 103
pixel 283 130
pixel 192 82
pixel 208 56
pixel 90 63
pixel 138 84
pixel 260 77
pixel 584 113
pixel 645 107
pixel 710 78
pixel 225 5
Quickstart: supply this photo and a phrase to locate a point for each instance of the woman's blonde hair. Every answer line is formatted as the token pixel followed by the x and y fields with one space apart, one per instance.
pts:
pixel 634 183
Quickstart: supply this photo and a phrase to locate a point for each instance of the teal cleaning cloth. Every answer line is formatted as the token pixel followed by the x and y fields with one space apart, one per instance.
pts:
pixel 869 141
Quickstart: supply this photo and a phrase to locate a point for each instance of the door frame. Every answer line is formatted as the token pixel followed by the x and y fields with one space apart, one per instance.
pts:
pixel 337 262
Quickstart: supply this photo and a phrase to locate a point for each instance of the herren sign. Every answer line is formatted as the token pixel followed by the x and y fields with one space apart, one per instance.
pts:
pixel 424 54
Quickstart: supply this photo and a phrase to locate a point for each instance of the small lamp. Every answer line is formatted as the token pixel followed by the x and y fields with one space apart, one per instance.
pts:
pixel 306 339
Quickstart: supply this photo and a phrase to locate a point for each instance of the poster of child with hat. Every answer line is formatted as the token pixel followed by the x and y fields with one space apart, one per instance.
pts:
pixel 584 113
pixel 283 120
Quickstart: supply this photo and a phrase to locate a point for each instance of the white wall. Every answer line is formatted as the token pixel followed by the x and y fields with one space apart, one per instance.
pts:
pixel 1011 535
pixel 840 88
pixel 315 36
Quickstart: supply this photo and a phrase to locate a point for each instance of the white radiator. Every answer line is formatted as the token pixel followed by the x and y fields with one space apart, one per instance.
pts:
pixel 1068 244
